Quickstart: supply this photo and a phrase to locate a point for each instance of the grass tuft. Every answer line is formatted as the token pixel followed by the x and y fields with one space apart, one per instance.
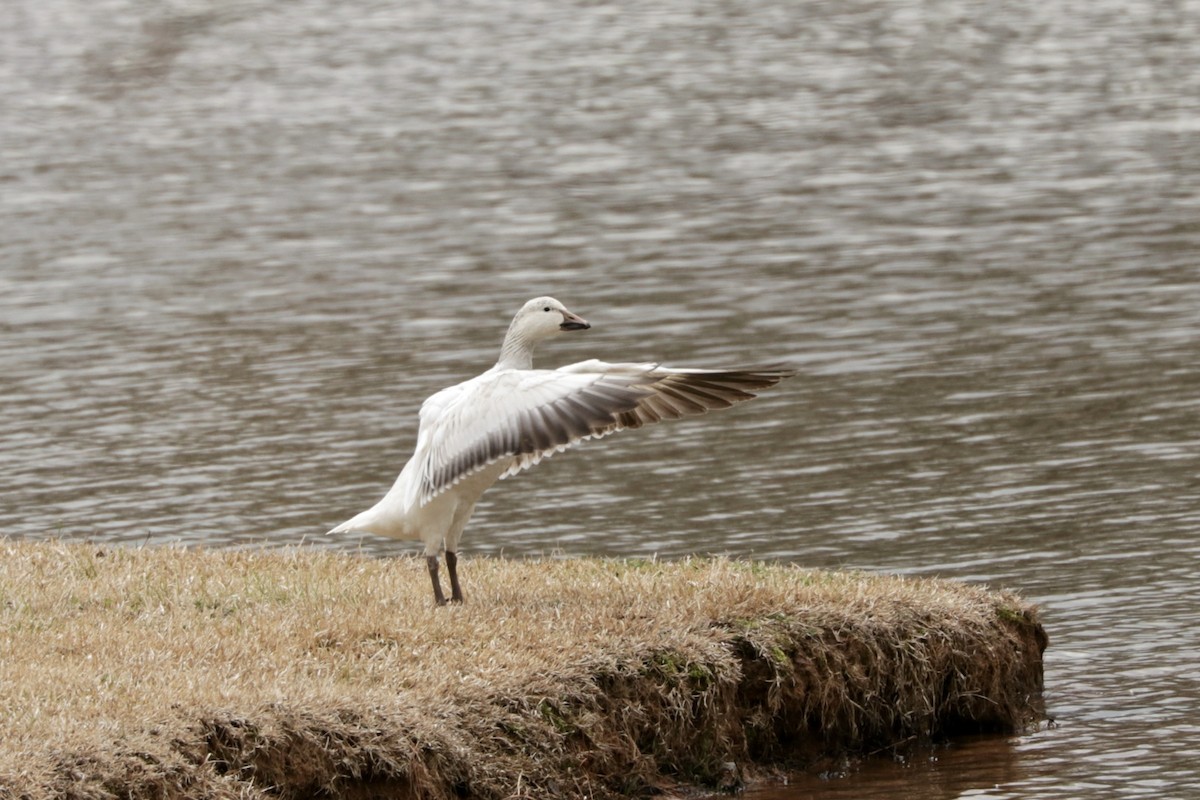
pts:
pixel 172 673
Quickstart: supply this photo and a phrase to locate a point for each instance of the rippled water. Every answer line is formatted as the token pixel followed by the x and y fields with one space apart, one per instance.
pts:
pixel 241 241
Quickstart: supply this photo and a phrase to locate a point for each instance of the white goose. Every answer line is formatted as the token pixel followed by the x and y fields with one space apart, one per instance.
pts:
pixel 512 416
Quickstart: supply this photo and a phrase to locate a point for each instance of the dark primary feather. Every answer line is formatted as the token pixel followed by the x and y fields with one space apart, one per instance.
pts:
pixel 680 394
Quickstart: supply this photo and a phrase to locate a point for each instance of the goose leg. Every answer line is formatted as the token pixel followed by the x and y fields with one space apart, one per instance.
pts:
pixel 452 568
pixel 438 597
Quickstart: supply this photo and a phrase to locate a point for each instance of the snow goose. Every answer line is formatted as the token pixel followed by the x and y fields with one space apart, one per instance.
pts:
pixel 512 416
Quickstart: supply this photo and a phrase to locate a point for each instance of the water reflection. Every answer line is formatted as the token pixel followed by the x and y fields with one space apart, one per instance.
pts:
pixel 242 242
pixel 964 768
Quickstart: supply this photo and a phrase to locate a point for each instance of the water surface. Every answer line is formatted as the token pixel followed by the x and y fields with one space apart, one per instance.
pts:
pixel 240 243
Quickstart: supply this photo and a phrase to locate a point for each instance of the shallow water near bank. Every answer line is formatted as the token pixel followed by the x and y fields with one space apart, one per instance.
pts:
pixel 962 767
pixel 241 242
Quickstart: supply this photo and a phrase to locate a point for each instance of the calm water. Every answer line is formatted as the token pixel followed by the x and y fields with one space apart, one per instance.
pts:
pixel 241 241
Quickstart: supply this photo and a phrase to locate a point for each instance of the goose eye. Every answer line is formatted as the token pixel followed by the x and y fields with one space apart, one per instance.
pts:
pixel 547 308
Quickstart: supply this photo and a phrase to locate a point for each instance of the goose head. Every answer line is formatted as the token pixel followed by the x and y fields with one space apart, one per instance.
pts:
pixel 539 319
pixel 543 317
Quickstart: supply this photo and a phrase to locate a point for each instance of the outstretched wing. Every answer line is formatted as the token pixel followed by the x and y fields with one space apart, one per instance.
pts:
pixel 527 415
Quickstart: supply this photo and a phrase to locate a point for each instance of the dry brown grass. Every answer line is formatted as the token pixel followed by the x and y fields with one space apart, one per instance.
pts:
pixel 154 673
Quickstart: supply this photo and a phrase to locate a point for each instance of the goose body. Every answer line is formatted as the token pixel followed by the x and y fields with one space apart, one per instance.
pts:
pixel 512 416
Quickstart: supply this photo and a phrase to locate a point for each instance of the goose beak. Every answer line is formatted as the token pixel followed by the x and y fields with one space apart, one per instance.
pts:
pixel 572 322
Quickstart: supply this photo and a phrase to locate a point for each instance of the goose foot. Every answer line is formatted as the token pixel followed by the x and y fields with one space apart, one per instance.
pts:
pixel 456 595
pixel 438 597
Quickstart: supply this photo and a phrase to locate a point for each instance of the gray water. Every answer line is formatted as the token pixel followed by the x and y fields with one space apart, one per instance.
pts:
pixel 241 241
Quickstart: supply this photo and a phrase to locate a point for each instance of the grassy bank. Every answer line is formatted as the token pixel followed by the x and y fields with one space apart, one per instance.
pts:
pixel 168 672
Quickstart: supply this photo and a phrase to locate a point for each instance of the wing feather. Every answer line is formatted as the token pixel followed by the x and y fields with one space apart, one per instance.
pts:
pixel 527 415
